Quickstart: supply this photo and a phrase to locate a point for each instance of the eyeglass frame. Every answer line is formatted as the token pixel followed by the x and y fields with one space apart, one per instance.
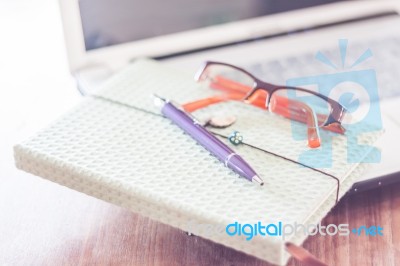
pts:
pixel 337 110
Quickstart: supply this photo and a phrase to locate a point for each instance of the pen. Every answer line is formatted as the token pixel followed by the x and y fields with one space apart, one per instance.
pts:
pixel 208 141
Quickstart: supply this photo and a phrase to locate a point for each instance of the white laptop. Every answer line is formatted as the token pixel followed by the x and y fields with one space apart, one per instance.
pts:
pixel 275 40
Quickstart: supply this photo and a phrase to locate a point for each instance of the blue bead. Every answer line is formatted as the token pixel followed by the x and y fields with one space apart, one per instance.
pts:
pixel 235 138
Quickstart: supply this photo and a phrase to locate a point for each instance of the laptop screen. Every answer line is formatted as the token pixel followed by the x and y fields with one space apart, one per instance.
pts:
pixel 112 22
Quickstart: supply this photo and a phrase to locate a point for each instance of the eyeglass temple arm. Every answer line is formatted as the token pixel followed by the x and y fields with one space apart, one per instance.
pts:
pixel 224 84
pixel 198 104
pixel 294 113
pixel 300 112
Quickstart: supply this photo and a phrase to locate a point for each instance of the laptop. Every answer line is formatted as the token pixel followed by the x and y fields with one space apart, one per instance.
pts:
pixel 275 40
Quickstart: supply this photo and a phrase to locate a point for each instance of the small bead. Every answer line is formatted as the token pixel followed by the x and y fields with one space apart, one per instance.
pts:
pixel 235 138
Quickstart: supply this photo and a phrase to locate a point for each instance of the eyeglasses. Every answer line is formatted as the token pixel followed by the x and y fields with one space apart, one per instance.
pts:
pixel 298 104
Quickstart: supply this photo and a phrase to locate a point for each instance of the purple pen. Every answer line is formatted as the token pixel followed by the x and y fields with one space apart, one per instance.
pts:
pixel 209 141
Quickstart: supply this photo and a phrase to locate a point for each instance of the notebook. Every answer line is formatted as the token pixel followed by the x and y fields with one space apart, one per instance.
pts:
pixel 116 146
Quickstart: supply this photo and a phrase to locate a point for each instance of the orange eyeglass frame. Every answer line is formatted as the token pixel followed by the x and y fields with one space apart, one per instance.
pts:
pixel 292 109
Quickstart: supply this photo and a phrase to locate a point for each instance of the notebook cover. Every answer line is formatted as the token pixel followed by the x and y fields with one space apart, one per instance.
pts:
pixel 115 146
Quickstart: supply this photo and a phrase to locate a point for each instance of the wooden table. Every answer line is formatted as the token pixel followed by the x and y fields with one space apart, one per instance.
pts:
pixel 42 223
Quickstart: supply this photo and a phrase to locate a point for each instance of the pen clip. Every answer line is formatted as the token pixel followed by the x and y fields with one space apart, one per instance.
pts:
pixel 161 101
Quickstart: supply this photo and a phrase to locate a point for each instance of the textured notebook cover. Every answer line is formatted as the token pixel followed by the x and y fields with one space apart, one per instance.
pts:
pixel 115 146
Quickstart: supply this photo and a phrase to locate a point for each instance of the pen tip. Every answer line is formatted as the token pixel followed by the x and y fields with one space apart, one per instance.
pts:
pixel 257 179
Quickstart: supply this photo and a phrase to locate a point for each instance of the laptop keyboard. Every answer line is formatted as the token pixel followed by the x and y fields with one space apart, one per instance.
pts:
pixel 385 61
